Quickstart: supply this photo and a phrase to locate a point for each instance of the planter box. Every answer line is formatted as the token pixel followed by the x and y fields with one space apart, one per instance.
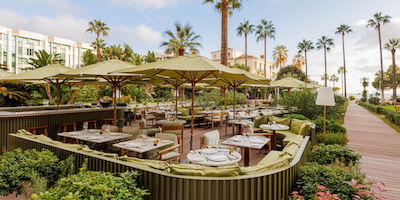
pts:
pixel 12 197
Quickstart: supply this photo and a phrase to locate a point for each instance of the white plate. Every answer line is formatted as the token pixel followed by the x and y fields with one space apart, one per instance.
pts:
pixel 133 145
pixel 73 133
pixel 253 144
pixel 164 141
pixel 257 141
pixel 198 158
pixel 209 151
pixel 94 138
pixel 93 130
pixel 236 139
pixel 218 158
pixel 115 134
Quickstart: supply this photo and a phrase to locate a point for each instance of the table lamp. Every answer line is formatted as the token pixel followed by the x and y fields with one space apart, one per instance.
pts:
pixel 325 98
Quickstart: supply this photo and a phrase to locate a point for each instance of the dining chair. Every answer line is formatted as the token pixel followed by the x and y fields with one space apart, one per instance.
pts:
pixel 170 152
pixel 92 124
pixel 147 116
pixel 215 117
pixel 137 112
pixel 160 116
pixel 175 128
pixel 67 127
pixel 106 121
pixel 213 139
pixel 151 130
pixel 38 130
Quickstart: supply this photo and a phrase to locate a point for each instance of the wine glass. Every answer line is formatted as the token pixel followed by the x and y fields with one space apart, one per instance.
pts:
pixel 85 127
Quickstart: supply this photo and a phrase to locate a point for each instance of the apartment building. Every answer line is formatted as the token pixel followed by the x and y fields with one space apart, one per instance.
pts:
pixel 256 64
pixel 17 47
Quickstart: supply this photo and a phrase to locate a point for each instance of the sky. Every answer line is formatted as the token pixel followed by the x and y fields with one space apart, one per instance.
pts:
pixel 141 23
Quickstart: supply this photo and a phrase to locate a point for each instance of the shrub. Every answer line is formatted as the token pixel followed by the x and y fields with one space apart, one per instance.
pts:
pixel 332 138
pixel 373 100
pixel 95 185
pixel 363 99
pixel 312 175
pixel 17 166
pixel 327 154
pixel 352 97
pixel 331 126
pixel 296 116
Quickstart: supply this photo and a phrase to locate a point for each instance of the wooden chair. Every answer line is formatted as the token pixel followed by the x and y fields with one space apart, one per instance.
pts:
pixel 159 116
pixel 137 112
pixel 151 130
pixel 92 124
pixel 174 128
pixel 66 127
pixel 106 121
pixel 396 106
pixel 179 146
pixel 38 129
pixel 147 116
pixel 215 117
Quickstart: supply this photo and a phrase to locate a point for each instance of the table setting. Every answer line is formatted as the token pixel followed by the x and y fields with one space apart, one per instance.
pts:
pixel 214 156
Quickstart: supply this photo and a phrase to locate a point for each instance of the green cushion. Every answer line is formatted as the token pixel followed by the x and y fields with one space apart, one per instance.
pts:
pixel 153 155
pixel 211 138
pixel 280 120
pixel 295 125
pixel 112 128
pixel 305 129
pixel 189 118
pixel 222 107
pixel 238 106
pixel 185 111
pixel 259 168
pixel 270 157
pixel 72 146
pixel 245 106
pixel 229 107
pixel 161 165
pixel 196 110
pixel 196 170
pixel 142 123
pixel 135 131
pixel 252 105
pixel 285 136
pixel 258 120
pixel 23 132
pixel 152 131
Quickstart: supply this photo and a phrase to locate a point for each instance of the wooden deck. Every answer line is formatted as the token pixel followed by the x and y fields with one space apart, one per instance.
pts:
pixel 379 145
pixel 256 156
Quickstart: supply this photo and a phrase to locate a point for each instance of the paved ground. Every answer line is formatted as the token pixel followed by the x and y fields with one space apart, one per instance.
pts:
pixel 379 145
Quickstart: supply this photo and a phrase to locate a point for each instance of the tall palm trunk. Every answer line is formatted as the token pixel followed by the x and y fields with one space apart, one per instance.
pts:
pixel 344 68
pixel 380 49
pixel 326 74
pixel 265 56
pixel 98 49
pixel 394 76
pixel 342 84
pixel 305 55
pixel 245 51
pixel 224 33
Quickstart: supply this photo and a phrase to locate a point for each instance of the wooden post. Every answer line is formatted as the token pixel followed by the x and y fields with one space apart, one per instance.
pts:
pixel 324 119
pixel 58 95
pixel 192 124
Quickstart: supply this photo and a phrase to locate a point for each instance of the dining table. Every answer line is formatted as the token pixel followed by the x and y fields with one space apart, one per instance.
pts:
pixel 239 123
pixel 143 145
pixel 274 127
pixel 248 143
pixel 214 157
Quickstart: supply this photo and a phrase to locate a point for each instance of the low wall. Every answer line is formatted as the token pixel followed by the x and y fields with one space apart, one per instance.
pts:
pixel 272 185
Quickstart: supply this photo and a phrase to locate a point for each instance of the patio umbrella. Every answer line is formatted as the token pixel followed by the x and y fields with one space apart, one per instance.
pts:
pixel 191 68
pixel 46 73
pixel 4 74
pixel 288 82
pixel 100 70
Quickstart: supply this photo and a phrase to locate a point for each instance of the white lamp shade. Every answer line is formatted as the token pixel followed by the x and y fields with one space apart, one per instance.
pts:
pixel 325 97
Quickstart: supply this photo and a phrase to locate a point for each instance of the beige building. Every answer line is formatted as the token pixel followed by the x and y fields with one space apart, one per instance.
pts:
pixel 17 47
pixel 256 64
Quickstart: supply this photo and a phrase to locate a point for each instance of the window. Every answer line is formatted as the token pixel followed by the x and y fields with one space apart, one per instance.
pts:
pixel 215 56
pixel 229 54
pixel 22 61
pixel 20 50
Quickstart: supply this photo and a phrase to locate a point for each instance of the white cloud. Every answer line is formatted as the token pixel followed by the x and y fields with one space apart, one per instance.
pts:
pixel 144 4
pixel 140 34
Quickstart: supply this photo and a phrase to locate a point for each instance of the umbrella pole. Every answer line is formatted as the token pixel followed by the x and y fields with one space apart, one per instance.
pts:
pixel 176 104
pixel 58 95
pixel 192 125
pixel 158 96
pixel 115 104
pixel 234 102
pixel 70 92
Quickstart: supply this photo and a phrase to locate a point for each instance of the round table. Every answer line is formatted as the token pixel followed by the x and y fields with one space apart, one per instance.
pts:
pixel 251 116
pixel 204 157
pixel 274 128
pixel 165 121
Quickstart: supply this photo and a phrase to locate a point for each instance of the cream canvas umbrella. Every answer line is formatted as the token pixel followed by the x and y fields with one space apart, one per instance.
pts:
pixel 4 74
pixel 191 68
pixel 100 70
pixel 46 73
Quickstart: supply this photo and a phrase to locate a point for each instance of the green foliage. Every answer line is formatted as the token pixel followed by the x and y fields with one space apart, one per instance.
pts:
pixel 18 166
pixel 12 93
pixel 387 78
pixel 312 175
pixel 330 126
pixel 89 58
pixel 374 100
pixel 364 94
pixel 304 101
pixel 44 59
pixel 296 116
pixel 327 154
pixel 291 71
pixel 95 185
pixel 150 57
pixel 391 115
pixel 214 98
pixel 332 138
pixel 363 99
pixel 352 97
pixel 240 66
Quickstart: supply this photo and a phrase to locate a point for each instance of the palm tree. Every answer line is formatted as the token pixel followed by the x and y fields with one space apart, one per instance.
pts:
pixel 325 43
pixel 280 55
pixel 298 61
pixel 341 71
pixel 98 27
pixel 364 82
pixel 113 50
pixel 376 23
pixel 44 58
pixel 334 79
pixel 304 46
pixel 89 58
pixel 150 57
pixel 137 59
pixel 225 7
pixel 245 28
pixel 183 38
pixel 264 30
pixel 97 45
pixel 344 29
pixel 392 46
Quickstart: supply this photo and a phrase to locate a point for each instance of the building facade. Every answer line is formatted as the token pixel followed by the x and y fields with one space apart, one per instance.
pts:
pixel 256 64
pixel 17 47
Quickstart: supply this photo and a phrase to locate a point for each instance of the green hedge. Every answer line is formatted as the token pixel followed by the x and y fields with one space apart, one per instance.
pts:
pixel 327 154
pixel 391 115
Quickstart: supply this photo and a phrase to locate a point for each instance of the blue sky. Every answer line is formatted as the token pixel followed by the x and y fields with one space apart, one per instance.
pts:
pixel 140 23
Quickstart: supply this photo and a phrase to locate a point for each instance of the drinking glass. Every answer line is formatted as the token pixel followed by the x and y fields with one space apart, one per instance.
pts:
pixel 85 127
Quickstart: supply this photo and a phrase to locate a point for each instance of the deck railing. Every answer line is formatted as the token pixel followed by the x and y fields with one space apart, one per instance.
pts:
pixel 272 185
